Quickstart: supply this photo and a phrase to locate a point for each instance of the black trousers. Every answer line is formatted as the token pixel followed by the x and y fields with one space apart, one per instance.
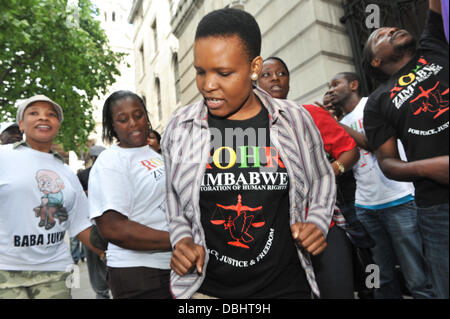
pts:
pixel 334 267
pixel 139 283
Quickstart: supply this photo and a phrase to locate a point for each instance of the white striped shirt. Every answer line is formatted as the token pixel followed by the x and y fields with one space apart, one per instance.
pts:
pixel 186 148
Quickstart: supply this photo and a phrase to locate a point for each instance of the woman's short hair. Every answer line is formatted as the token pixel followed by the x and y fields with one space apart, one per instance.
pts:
pixel 157 136
pixel 279 60
pixel 228 22
pixel 108 133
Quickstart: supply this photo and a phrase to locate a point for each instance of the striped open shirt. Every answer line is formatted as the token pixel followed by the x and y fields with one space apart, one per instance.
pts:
pixel 186 148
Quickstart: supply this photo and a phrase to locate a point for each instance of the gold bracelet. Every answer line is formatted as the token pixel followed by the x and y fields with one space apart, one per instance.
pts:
pixel 341 167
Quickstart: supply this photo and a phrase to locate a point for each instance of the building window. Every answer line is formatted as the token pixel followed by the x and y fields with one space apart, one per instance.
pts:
pixel 142 57
pixel 155 36
pixel 113 16
pixel 141 13
pixel 176 73
pixel 106 17
pixel 158 96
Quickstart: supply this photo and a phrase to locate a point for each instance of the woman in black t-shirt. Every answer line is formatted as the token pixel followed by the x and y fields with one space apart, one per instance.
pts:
pixel 247 200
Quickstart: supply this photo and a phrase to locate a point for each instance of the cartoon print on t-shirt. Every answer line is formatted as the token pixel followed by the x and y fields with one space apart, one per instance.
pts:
pixel 52 201
pixel 238 219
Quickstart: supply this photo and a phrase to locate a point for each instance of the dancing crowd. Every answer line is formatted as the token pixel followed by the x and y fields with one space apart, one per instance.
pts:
pixel 247 194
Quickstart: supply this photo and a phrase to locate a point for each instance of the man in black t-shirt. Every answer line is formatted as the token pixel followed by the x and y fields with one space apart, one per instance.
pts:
pixel 412 104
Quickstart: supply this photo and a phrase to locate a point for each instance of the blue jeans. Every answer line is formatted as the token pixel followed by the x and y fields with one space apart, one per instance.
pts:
pixel 433 225
pixel 77 250
pixel 396 234
pixel 358 234
pixel 97 275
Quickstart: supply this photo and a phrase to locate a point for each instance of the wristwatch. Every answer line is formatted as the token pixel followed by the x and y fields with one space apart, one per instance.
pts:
pixel 341 167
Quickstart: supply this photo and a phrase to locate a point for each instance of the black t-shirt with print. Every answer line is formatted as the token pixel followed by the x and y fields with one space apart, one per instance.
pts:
pixel 244 204
pixel 413 106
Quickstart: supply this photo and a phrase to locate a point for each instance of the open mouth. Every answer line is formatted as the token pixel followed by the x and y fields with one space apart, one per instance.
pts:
pixel 135 133
pixel 214 103
pixel 276 88
pixel 43 127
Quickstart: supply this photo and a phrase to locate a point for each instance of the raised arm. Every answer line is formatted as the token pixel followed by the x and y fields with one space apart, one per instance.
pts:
pixel 435 5
pixel 360 138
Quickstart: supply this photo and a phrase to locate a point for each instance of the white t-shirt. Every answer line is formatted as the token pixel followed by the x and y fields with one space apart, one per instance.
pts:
pixel 373 189
pixel 131 181
pixel 40 198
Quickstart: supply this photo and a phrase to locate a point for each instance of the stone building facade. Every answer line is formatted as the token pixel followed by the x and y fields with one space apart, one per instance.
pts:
pixel 306 34
pixel 113 16
pixel 156 58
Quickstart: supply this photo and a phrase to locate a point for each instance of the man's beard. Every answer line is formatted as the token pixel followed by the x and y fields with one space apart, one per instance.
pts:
pixel 406 48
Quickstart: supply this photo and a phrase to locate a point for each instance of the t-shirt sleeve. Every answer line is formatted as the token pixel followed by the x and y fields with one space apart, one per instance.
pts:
pixel 79 216
pixel 335 139
pixel 377 128
pixel 433 35
pixel 109 188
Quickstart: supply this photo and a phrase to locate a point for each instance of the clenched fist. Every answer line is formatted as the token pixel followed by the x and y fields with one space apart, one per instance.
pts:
pixel 186 256
pixel 310 237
